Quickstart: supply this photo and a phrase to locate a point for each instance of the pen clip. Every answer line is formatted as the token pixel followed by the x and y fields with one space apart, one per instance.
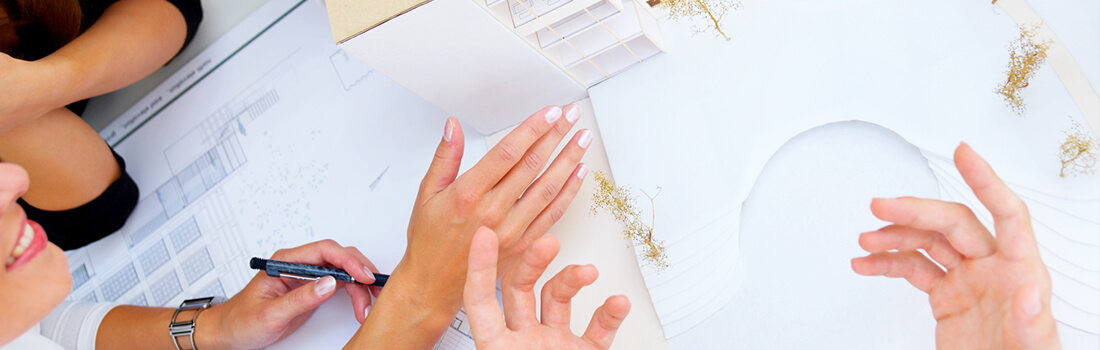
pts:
pixel 307 278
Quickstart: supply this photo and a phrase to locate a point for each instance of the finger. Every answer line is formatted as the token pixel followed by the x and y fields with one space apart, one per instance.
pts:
pixel 554 212
pixel 301 300
pixel 479 294
pixel 606 320
pixel 448 158
pixel 518 286
pixel 895 237
pixel 491 168
pixel 326 253
pixel 911 265
pixel 957 223
pixel 1032 320
pixel 548 186
pixel 361 299
pixel 1010 215
pixel 521 175
pixel 558 293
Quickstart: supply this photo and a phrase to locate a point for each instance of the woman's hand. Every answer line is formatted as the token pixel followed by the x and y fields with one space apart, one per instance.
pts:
pixel 425 290
pixel 270 308
pixel 995 293
pixel 521 329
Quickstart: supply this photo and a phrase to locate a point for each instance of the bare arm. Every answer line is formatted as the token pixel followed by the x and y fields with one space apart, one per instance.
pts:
pixel 128 42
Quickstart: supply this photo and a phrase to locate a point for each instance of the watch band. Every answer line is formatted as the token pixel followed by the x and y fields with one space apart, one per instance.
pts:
pixel 179 329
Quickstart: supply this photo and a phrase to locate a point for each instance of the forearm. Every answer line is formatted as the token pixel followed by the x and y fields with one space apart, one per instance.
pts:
pixel 128 42
pixel 136 327
pixel 410 313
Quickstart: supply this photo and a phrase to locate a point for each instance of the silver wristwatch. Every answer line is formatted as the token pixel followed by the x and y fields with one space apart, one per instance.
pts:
pixel 190 308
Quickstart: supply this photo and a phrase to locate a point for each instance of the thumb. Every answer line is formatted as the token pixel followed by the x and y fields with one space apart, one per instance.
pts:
pixel 1032 321
pixel 448 157
pixel 305 298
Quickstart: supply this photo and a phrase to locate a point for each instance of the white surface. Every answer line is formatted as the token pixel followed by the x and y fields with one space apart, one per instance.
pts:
pixel 288 142
pixel 456 55
pixel 703 120
pixel 1077 24
pixel 802 220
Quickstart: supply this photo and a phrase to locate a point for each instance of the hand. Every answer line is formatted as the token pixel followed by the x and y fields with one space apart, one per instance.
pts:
pixel 995 293
pixel 448 209
pixel 521 329
pixel 270 308
pixel 425 290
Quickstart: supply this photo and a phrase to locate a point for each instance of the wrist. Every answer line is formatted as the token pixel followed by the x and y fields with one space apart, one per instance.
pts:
pixel 208 329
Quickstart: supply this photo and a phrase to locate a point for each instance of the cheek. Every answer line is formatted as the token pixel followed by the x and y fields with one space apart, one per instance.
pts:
pixel 30 292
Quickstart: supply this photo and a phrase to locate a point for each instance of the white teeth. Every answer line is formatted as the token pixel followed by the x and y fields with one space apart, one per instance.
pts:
pixel 24 241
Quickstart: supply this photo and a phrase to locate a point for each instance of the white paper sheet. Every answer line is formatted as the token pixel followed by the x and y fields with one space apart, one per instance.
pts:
pixel 283 141
pixel 1077 24
pixel 703 121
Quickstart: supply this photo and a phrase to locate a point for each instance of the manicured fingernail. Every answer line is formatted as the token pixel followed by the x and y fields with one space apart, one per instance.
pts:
pixel 585 139
pixel 448 130
pixel 369 273
pixel 324 285
pixel 553 114
pixel 1032 304
pixel 572 113
pixel 366 311
pixel 582 171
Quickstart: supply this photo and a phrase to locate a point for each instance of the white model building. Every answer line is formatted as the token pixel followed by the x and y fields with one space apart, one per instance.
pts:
pixel 491 63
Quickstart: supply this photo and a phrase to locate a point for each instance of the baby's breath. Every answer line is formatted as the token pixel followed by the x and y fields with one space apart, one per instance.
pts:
pixel 623 207
pixel 1078 153
pixel 1027 54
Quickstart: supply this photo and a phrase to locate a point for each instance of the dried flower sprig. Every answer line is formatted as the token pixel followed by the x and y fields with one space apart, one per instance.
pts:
pixel 623 206
pixel 1027 54
pixel 707 10
pixel 1078 153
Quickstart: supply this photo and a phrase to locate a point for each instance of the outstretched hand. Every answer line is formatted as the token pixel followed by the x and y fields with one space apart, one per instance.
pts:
pixel 995 292
pixel 522 329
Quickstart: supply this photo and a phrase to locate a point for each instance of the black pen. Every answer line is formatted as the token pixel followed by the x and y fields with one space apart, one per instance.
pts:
pixel 276 268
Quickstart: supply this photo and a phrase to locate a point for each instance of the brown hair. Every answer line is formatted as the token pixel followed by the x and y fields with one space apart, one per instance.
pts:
pixel 40 26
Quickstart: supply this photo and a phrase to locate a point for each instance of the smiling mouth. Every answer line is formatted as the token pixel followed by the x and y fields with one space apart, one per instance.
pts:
pixel 25 240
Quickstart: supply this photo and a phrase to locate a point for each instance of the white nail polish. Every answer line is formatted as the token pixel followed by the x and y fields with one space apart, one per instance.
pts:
pixel 573 113
pixel 324 285
pixel 585 139
pixel 369 272
pixel 447 130
pixel 366 311
pixel 553 114
pixel 582 171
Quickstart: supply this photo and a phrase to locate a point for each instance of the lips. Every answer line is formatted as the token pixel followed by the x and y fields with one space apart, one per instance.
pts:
pixel 31 241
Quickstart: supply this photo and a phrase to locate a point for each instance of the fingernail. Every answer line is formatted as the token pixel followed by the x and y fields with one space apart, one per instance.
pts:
pixel 553 114
pixel 1033 304
pixel 366 311
pixel 572 113
pixel 369 273
pixel 324 285
pixel 585 139
pixel 447 130
pixel 582 171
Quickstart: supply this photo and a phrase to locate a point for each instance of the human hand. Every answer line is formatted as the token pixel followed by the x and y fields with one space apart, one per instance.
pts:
pixel 270 308
pixel 448 209
pixel 521 329
pixel 995 293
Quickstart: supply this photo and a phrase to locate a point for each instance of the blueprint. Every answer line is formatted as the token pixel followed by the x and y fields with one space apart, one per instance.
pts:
pixel 271 138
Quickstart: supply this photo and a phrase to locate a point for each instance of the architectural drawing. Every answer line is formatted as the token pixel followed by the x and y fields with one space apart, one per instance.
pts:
pixel 269 150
